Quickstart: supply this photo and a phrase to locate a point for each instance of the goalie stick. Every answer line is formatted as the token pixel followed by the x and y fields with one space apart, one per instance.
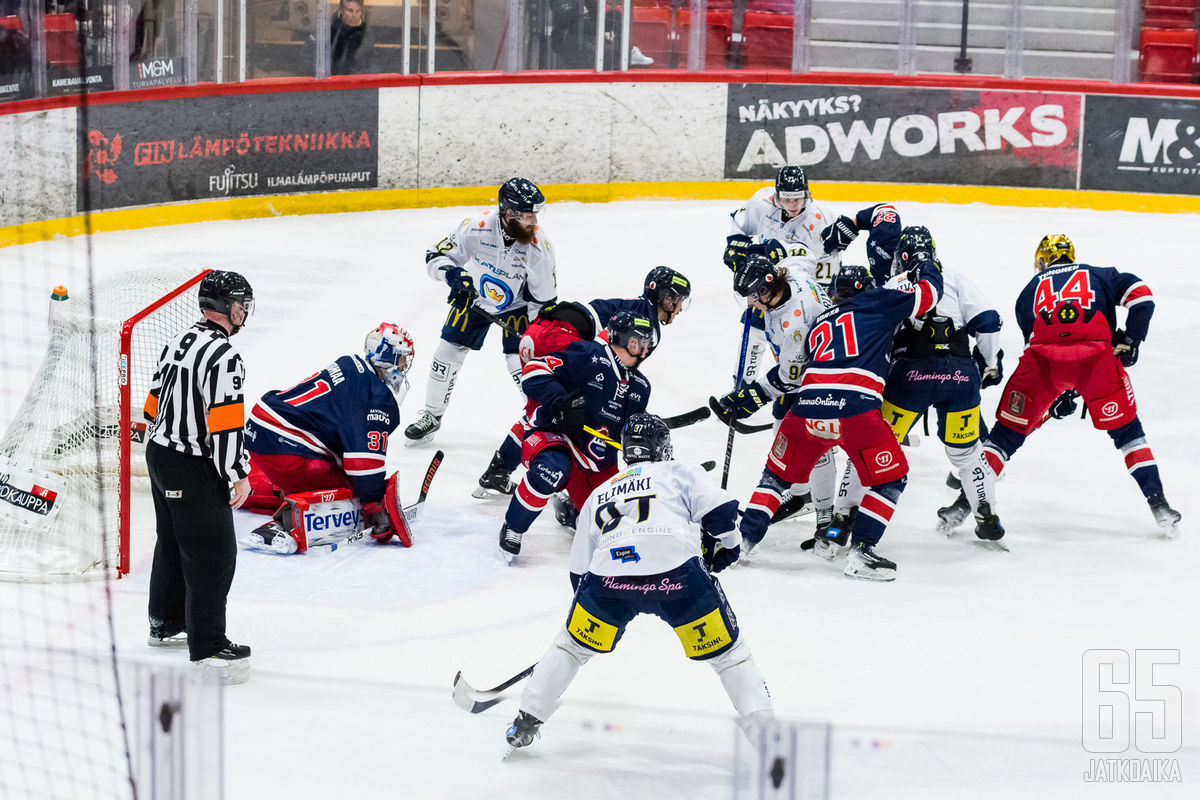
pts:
pixel 737 425
pixel 473 700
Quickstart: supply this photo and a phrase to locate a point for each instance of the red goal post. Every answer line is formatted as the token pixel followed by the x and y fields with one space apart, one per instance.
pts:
pixel 68 456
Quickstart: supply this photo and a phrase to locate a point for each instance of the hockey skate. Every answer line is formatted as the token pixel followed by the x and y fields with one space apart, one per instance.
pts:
pixel 510 543
pixel 273 537
pixel 1167 518
pixel 831 540
pixel 494 479
pixel 792 505
pixel 564 510
pixel 988 527
pixel 230 664
pixel 161 637
pixel 423 429
pixel 950 517
pixel 523 730
pixel 863 562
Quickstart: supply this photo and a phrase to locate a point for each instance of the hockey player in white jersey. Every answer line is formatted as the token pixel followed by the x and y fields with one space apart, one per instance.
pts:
pixel 500 269
pixel 790 300
pixel 638 550
pixel 934 366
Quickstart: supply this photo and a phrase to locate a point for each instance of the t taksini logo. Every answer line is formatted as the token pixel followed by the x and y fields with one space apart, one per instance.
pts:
pixel 1132 701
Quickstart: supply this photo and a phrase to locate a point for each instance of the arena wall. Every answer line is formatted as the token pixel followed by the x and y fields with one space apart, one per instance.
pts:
pixel 186 154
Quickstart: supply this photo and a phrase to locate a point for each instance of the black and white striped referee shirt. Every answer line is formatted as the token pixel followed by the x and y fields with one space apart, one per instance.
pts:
pixel 195 403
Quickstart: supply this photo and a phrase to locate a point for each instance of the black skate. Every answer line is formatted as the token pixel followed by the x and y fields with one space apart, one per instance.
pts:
pixel 494 479
pixel 831 541
pixel 988 527
pixel 863 562
pixel 1167 518
pixel 950 517
pixel 423 429
pixel 510 543
pixel 162 636
pixel 564 510
pixel 524 729
pixel 792 506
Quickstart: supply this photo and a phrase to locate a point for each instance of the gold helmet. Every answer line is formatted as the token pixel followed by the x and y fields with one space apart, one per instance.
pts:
pixel 1053 249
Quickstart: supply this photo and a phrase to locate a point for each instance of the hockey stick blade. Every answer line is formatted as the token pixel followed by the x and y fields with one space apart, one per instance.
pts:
pixel 473 700
pixel 688 418
pixel 738 426
pixel 708 466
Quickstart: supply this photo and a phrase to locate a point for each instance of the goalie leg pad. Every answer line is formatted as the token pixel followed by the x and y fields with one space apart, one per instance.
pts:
pixel 395 512
pixel 320 517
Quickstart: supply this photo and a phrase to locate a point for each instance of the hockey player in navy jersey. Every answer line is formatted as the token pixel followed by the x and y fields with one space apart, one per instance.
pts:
pixel 331 432
pixel 639 551
pixel 666 293
pixel 934 366
pixel 838 403
pixel 500 268
pixel 882 223
pixel 1068 316
pixel 589 385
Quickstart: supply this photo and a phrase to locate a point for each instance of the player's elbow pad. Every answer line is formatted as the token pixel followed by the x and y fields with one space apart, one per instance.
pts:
pixel 721 520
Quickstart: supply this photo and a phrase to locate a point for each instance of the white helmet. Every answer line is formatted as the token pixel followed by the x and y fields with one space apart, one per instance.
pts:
pixel 389 349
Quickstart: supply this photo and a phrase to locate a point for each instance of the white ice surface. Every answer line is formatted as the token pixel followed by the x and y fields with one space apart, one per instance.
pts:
pixel 354 652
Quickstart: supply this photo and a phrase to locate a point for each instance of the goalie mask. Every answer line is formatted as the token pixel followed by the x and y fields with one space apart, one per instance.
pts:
pixel 1055 248
pixel 389 349
pixel 227 293
pixel 646 438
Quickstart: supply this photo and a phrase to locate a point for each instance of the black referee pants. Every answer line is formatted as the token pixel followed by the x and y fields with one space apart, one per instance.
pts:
pixel 196 552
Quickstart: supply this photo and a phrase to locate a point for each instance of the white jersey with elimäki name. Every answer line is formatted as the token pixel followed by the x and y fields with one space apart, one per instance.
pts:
pixel 646 520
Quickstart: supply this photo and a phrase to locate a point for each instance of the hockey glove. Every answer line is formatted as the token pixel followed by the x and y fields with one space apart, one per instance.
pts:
pixel 377 522
pixel 1125 348
pixel 989 376
pixel 838 236
pixel 716 557
pixel 1065 405
pixel 569 412
pixel 741 403
pixel 735 250
pixel 462 288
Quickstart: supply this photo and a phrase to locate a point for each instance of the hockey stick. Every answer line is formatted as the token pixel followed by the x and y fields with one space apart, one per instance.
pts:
pixel 688 418
pixel 495 320
pixel 738 385
pixel 411 511
pixel 607 440
pixel 737 425
pixel 473 700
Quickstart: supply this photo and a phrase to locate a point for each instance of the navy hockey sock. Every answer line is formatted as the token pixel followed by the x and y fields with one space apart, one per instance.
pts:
pixel 547 474
pixel 510 453
pixel 875 511
pixel 1139 459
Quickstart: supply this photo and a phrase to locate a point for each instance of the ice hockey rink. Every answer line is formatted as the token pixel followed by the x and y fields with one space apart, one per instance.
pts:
pixel 963 678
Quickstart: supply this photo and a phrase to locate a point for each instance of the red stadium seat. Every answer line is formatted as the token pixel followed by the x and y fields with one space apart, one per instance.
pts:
pixel 13 23
pixel 1168 56
pixel 717 36
pixel 766 41
pixel 62 43
pixel 1169 13
pixel 771 6
pixel 650 32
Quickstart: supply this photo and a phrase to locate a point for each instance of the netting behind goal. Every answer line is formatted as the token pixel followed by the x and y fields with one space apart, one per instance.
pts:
pixel 67 455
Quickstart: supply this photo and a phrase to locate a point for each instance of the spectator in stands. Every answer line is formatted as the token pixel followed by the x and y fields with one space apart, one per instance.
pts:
pixel 350 43
pixel 16 61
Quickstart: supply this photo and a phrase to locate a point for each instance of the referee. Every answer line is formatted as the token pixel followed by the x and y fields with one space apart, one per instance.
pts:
pixel 198 475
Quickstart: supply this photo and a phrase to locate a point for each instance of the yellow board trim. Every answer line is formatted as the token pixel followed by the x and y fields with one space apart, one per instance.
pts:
pixel 376 199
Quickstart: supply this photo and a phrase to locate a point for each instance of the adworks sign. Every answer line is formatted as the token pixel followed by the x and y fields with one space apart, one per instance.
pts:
pixel 1141 144
pixel 903 134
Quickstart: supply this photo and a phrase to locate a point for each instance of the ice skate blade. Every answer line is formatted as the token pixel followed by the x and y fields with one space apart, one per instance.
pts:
pixel 507 557
pixel 992 544
pixel 830 552
pixel 879 576
pixel 424 440
pixel 480 493
pixel 1169 531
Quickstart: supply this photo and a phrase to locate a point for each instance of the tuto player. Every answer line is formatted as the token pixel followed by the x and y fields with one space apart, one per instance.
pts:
pixel 587 385
pixel 841 391
pixel 1068 316
pixel 330 432
pixel 500 269
pixel 639 551
pixel 666 293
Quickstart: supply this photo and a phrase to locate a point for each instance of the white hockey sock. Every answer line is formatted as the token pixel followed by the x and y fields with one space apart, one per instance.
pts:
pixel 553 674
pixel 978 481
pixel 513 362
pixel 822 482
pixel 743 681
pixel 447 361
pixel 850 492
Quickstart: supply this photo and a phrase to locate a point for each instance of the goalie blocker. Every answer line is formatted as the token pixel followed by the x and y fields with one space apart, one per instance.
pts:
pixel 332 517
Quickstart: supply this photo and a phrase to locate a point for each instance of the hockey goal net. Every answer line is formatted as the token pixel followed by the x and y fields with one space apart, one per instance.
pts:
pixel 75 442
